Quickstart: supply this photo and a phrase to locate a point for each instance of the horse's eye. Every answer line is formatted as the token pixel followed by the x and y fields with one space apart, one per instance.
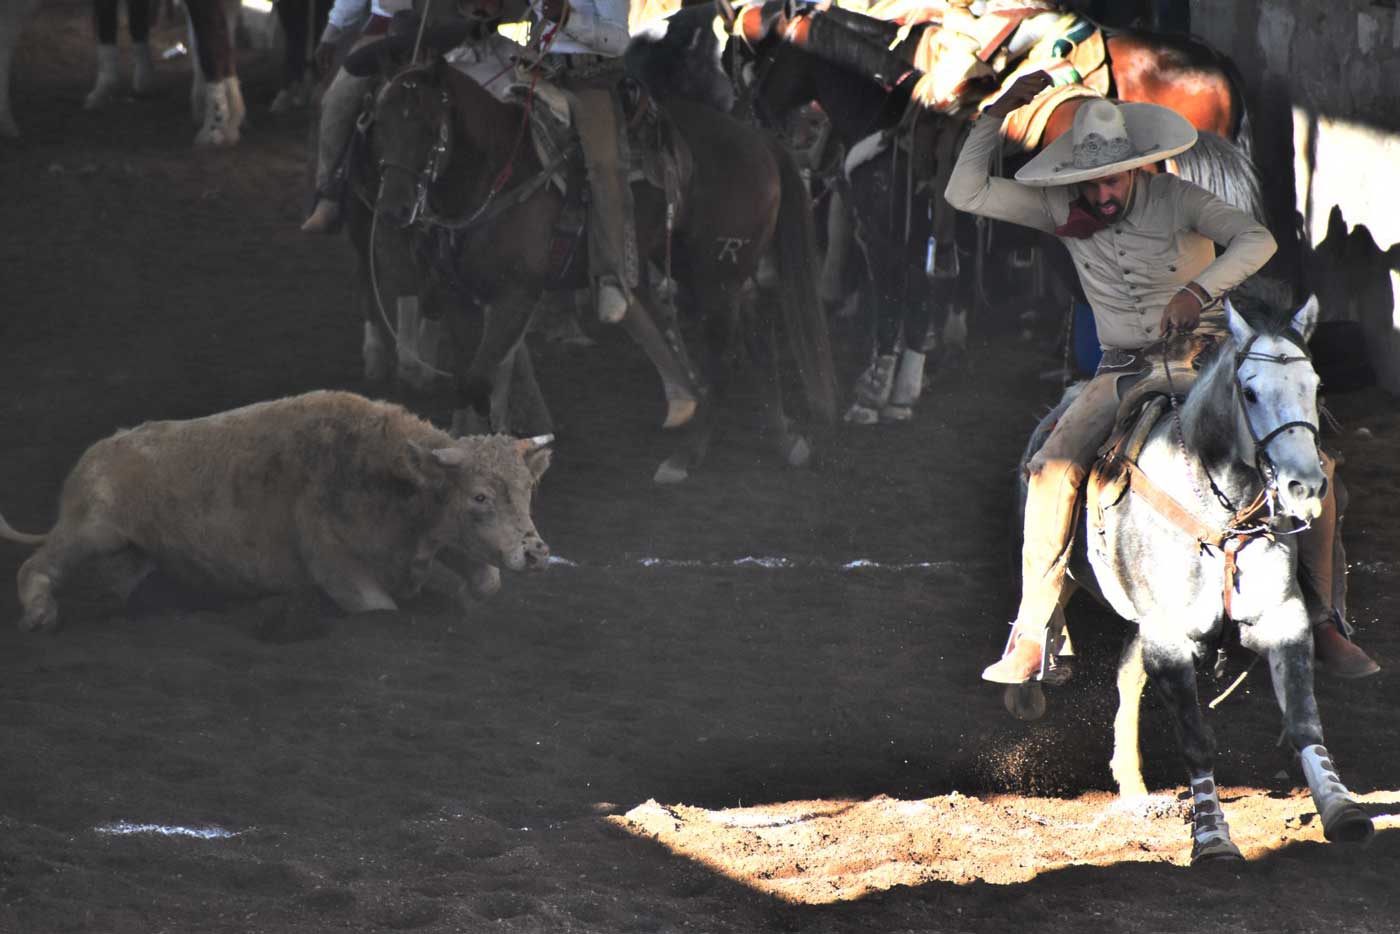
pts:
pixel 1250 396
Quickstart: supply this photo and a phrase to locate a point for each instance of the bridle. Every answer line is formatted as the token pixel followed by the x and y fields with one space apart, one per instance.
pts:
pixel 438 155
pixel 1264 464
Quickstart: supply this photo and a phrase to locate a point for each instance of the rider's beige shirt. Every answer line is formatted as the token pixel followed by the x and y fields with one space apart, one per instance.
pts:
pixel 1132 269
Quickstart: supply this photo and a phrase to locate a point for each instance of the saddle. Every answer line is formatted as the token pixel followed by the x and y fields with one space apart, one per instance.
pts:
pixel 648 145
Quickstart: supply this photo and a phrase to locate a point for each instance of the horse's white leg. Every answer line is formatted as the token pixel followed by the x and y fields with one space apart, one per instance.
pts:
pixel 1126 763
pixel 1284 637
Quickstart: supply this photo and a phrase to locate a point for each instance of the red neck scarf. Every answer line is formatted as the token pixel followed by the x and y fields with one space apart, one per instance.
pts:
pixel 1081 223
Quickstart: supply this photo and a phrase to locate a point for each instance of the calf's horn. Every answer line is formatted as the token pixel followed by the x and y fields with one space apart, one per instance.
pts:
pixel 526 445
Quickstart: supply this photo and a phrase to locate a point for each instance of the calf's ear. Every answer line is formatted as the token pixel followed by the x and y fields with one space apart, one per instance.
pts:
pixel 538 461
pixel 420 465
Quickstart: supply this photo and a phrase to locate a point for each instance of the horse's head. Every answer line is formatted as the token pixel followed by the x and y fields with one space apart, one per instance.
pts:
pixel 1276 416
pixel 412 141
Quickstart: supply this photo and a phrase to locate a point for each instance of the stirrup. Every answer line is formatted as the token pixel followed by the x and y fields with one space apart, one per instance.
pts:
pixel 1052 644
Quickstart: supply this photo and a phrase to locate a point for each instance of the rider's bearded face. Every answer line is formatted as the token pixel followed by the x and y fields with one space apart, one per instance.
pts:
pixel 1107 197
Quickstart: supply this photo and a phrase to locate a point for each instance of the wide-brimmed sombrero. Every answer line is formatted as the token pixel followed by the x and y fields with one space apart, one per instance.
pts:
pixel 1108 137
pixel 400 39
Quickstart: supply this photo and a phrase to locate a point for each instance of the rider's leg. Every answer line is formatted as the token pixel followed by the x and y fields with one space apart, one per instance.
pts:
pixel 1322 572
pixel 1056 473
pixel 612 249
pixel 340 105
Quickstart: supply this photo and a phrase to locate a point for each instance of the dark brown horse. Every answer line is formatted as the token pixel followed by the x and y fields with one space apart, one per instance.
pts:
pixel 457 161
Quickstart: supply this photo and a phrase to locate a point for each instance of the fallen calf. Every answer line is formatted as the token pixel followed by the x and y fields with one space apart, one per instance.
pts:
pixel 325 490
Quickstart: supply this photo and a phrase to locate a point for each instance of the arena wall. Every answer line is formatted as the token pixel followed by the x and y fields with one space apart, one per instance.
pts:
pixel 1324 91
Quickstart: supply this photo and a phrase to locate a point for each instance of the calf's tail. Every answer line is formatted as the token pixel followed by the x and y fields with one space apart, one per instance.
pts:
pixel 24 538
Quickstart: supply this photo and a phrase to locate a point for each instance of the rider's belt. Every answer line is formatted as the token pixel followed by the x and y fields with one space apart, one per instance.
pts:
pixel 378 25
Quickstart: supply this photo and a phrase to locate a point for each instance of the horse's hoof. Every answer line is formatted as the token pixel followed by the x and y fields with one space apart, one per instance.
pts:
pixel 896 413
pixel 1215 851
pixel 1024 701
pixel 1348 823
pixel 797 453
pixel 668 474
pixel 678 412
pixel 859 414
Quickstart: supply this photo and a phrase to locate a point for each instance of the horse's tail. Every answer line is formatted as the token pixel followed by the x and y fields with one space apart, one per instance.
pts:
pixel 1244 129
pixel 23 538
pixel 796 242
pixel 1226 171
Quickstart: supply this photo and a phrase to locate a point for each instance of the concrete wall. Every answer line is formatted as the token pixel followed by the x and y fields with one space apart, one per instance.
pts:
pixel 1323 80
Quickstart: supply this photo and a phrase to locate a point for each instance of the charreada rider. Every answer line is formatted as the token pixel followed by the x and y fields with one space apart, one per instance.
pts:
pixel 575 47
pixel 1143 246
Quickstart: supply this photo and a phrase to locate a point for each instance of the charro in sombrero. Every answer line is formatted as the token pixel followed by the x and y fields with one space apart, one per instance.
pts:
pixel 1109 137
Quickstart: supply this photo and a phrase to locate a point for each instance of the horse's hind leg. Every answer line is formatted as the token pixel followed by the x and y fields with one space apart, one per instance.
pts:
pixel 762 343
pixel 1285 639
pixel 1126 763
pixel 1172 670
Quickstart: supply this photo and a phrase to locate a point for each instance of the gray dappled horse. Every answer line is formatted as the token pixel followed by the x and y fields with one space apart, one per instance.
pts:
pixel 1247 428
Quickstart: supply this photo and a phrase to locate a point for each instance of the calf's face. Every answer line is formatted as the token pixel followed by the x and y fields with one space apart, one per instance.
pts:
pixel 485 485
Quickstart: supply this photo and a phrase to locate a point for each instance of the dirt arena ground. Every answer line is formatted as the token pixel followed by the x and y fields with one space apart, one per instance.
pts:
pixel 661 735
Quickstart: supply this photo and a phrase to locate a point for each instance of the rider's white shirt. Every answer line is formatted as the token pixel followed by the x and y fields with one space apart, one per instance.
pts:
pixel 489 62
pixel 348 17
pixel 594 27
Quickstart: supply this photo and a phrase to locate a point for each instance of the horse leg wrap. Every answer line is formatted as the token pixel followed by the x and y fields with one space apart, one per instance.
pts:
pixel 1210 834
pixel 1343 818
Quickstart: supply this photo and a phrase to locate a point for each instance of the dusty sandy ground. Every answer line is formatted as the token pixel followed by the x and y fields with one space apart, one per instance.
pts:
pixel 619 744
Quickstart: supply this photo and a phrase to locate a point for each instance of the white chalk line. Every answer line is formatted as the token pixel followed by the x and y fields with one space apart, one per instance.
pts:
pixel 128 828
pixel 780 563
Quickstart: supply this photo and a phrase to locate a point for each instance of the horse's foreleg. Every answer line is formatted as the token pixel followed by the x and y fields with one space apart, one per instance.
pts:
pixel 506 321
pixel 1172 670
pixel 1126 763
pixel 1285 639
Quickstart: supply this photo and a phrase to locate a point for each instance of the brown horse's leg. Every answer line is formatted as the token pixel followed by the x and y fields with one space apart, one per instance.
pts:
pixel 506 320
pixel 667 354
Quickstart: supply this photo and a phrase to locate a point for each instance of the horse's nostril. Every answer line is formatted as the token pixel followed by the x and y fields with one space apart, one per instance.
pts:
pixel 1297 489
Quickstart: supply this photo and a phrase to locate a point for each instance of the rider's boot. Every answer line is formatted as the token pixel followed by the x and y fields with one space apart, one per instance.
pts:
pixel 108 78
pixel 1051 508
pixel 872 391
pixel 612 301
pixel 1322 573
pixel 143 69
pixel 324 218
pixel 908 385
pixel 1336 654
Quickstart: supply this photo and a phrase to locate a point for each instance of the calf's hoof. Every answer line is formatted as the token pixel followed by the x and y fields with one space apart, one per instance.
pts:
pixel 678 413
pixel 484 580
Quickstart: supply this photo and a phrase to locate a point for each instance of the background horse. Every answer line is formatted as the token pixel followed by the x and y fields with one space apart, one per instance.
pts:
pixel 446 147
pixel 215 95
pixel 1247 428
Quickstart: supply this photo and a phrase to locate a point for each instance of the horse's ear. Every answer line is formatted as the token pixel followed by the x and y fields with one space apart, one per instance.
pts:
pixel 727 15
pixel 1238 326
pixel 1306 318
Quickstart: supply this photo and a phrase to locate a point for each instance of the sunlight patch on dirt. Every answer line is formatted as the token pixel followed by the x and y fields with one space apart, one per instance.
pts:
pixel 818 852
